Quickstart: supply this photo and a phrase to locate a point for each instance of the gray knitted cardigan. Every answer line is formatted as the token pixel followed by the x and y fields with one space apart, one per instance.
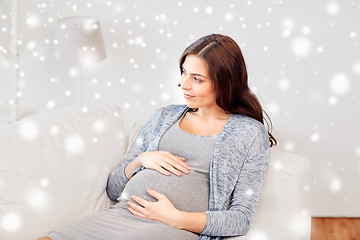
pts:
pixel 237 171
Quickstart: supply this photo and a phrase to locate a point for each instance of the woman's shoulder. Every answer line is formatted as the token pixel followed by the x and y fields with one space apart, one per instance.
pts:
pixel 247 125
pixel 174 107
pixel 247 131
pixel 168 111
pixel 242 119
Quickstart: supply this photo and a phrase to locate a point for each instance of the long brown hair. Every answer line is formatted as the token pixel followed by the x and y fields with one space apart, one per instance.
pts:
pixel 227 69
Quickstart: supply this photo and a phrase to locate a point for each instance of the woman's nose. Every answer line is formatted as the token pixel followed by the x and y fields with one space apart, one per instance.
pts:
pixel 185 83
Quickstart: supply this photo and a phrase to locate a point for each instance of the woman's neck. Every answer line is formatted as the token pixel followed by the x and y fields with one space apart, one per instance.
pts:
pixel 213 113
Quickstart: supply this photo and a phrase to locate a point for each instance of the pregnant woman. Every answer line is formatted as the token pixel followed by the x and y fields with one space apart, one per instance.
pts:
pixel 195 171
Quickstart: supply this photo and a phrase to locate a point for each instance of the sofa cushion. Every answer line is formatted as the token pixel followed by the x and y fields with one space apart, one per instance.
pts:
pixel 54 167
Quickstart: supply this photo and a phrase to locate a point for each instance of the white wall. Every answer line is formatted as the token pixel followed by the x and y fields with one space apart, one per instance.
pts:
pixel 303 59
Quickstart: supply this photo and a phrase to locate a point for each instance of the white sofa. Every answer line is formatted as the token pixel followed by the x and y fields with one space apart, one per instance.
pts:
pixel 54 167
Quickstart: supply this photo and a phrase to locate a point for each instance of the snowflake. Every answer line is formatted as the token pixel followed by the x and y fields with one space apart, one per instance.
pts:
pixel 139 141
pixel 73 72
pixel 278 165
pixel 44 182
pixel 249 192
pixel 28 130
pixel 288 25
pixel 51 104
pixel 289 146
pixel 33 21
pixel 256 234
pixel 165 96
pixel 54 130
pixel 340 84
pixel 74 144
pixel 356 68
pixel 357 152
pixel 37 199
pixel 301 46
pixel 315 137
pixel 332 8
pixel 99 125
pixel 335 185
pixel 10 222
pixel 284 84
pixel 67 93
pixel 209 10
pixel 273 108
pixel 333 100
pixel 305 30
pixel 229 17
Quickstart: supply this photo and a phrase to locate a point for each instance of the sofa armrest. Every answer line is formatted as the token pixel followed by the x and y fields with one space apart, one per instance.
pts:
pixel 284 210
pixel 54 167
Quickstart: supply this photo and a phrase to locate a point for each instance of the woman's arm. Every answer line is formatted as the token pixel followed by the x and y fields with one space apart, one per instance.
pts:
pixel 131 167
pixel 191 221
pixel 236 220
pixel 117 178
pixel 139 158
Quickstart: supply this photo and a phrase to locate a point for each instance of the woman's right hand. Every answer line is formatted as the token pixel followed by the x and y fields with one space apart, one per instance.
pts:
pixel 163 162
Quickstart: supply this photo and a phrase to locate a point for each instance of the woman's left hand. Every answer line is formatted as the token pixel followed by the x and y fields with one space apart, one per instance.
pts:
pixel 161 211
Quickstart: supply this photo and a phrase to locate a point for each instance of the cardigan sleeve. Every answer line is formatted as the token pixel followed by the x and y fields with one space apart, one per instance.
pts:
pixel 244 200
pixel 117 178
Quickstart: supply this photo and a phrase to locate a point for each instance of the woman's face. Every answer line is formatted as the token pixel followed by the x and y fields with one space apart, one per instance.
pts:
pixel 196 84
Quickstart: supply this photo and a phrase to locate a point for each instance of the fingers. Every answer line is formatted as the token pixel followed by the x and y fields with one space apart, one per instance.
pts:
pixel 139 200
pixel 136 213
pixel 140 207
pixel 170 168
pixel 178 163
pixel 154 193
pixel 160 211
pixel 179 160
pixel 164 162
pixel 162 170
pixel 136 209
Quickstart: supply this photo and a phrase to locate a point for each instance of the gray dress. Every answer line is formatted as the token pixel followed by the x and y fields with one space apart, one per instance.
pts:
pixel 188 192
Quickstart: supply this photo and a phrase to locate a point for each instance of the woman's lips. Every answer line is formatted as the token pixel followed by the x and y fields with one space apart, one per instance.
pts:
pixel 187 96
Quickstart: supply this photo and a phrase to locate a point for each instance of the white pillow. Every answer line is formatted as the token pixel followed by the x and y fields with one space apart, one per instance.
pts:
pixel 54 167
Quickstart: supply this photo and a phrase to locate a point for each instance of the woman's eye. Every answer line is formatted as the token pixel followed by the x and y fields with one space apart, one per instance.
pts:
pixel 197 80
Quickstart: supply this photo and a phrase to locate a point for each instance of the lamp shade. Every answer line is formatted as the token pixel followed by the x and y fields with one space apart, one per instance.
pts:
pixel 79 40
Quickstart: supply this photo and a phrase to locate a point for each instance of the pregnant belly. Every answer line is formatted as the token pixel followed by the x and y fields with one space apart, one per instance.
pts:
pixel 188 192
